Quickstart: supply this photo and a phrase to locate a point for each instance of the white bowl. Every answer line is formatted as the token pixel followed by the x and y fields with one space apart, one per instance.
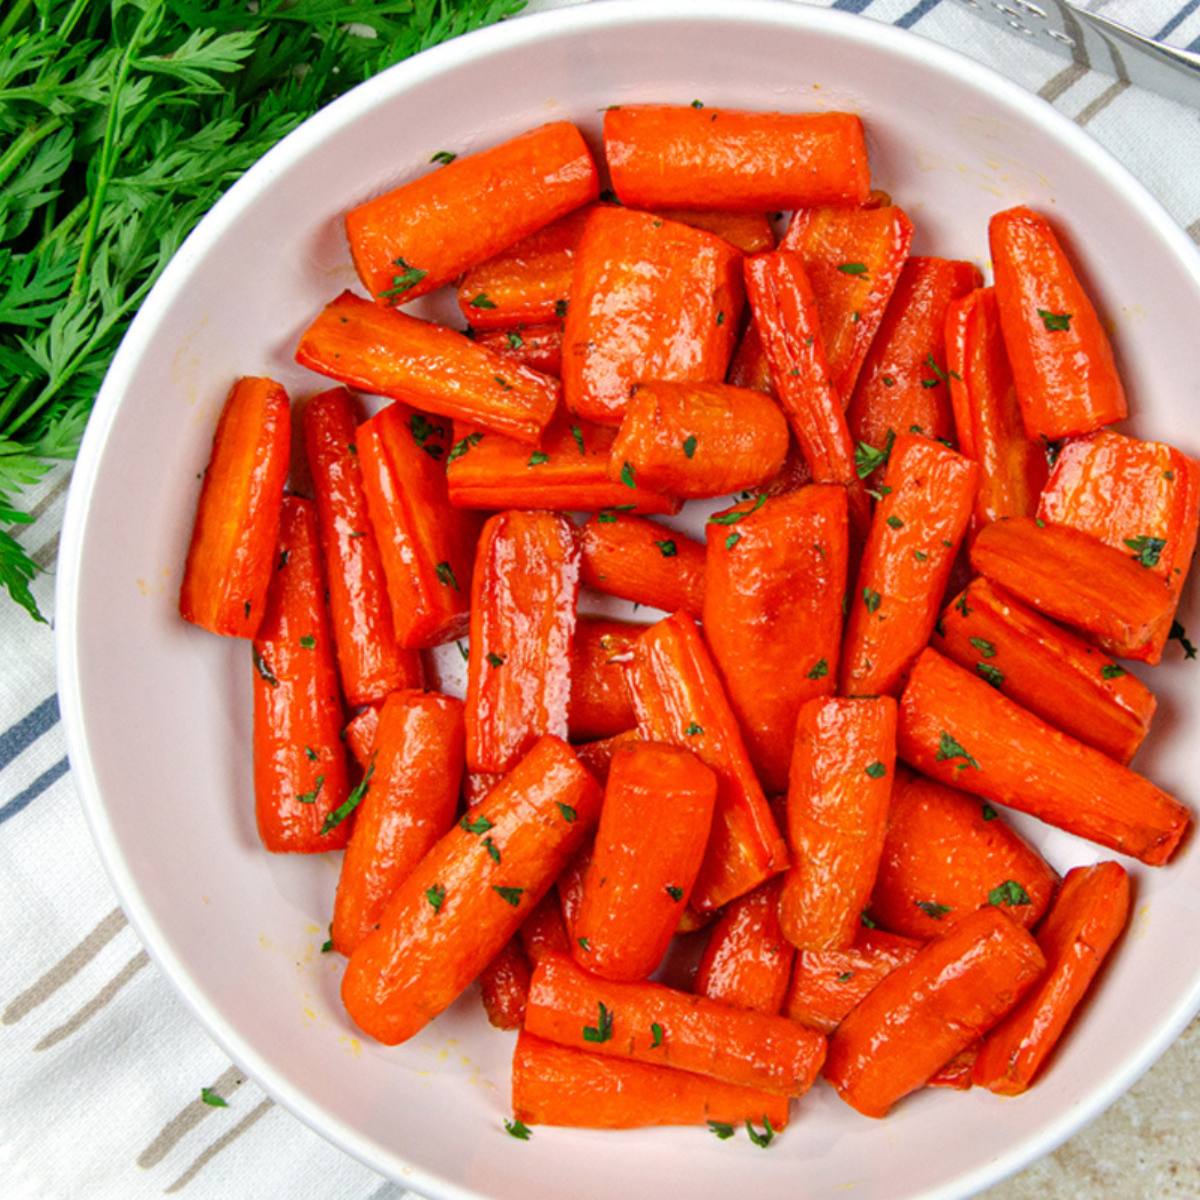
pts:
pixel 158 714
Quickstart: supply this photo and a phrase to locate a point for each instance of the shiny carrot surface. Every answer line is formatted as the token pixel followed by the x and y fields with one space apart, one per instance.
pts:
pixel 463 903
pixel 642 561
pixel 428 231
pixel 930 1009
pixel 408 804
pixel 300 777
pixel 538 347
pixel 750 232
pixel 651 1023
pixel 232 551
pixel 426 546
pixel 544 931
pixel 775 584
pixel 555 1085
pixel 662 156
pixel 370 661
pixel 1045 668
pixel 600 706
pixel 699 439
pixel 526 583
pixel 597 756
pixel 504 986
pixel 678 698
pixel 359 734
pixel 958 729
pixel 956 1074
pixel 650 299
pixel 658 807
pixel 435 369
pixel 749 367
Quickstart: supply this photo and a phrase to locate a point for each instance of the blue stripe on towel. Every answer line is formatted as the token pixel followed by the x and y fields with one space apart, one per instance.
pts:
pixel 24 799
pixel 27 730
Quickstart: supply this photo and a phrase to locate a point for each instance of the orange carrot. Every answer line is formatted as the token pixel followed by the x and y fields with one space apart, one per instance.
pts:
pixel 749 367
pixel 597 756
pixel 554 1085
pixel 750 232
pixel 642 561
pixel 468 895
pixel 698 439
pixel 600 706
pixel 828 984
pixel 987 417
pixel 1074 578
pixel 359 734
pixel 956 1074
pixel 678 698
pixel 853 258
pixel 569 471
pixel 299 765
pixel 664 156
pixel 650 299
pixel 370 662
pixel 426 232
pixel 775 582
pixel 946 855
pixel 903 386
pixel 529 282
pixel 477 786
pixel 1139 497
pixel 1086 920
pixel 432 368
pixel 570 887
pixel 915 533
pixel 747 961
pixel 426 546
pixel 504 987
pixel 538 347
pixel 837 806
pixel 1062 362
pixel 648 1022
pixel 232 550
pixel 544 931
pixel 1047 669
pixel 792 476
pixel 522 624
pixel 959 730
pixel 653 830
pixel 930 1009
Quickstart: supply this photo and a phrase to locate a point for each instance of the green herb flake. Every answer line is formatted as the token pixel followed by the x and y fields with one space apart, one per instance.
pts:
pixel 577 434
pixel 569 814
pixel 820 670
pixel 466 654
pixel 327 945
pixel 868 459
pixel 962 606
pixel 284 555
pixel 867 923
pixel 495 660
pixel 515 340
pixel 989 813
pixel 443 158
pixel 871 599
pixel 723 1131
pixel 676 893
pixel 482 301
pixel 538 457
pixel 265 672
pixel 436 896
pixel 930 909
pixel 697 104
pixel 1179 634
pixel 518 1129
pixel 877 770
pixel 311 797
pixel 732 518
pixel 720 318
pixel 764 1139
pixel 422 430
pixel 407 279
pixel 845 977
pixel 308 642
pixel 852 268
pixel 503 382
pixel 1055 322
pixel 311 754
pixel 510 895
pixel 560 309
pixel 732 540
pixel 627 475
pixel 656 1032
pixel 1146 550
pixel 920 555
pixel 351 802
pixel 1112 671
pixel 984 647
pixel 949 749
pixel 492 849
pixel 992 674
pixel 889 381
pixel 895 522
pixel 212 1099
pixel 463 445
pixel 602 1031
pixel 584 943
pixel 693 729
pixel 689 446
pixel 1009 893
pixel 478 824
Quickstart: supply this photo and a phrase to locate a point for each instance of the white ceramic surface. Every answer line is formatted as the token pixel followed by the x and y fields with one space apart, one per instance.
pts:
pixel 158 714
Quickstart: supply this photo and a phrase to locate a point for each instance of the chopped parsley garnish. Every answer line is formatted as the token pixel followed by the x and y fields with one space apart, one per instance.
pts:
pixel 1112 671
pixel 510 895
pixel 989 813
pixel 627 475
pixel 877 770
pixel 212 1099
pixel 478 824
pixel 732 540
pixel 693 729
pixel 492 849
pixel 656 1031
pixel 311 754
pixel 667 547
pixel 538 457
pixel 852 268
pixel 895 522
pixel 932 910
pixel 445 574
pixel 868 459
pixel 1146 550
pixel 602 1030
pixel 351 802
pixel 463 445
pixel 949 749
pixel 515 340
pixel 482 301
pixel 560 309
pixel 503 382
pixel 764 1139
pixel 518 1129
pixel 689 446
pixel 723 1131
pixel 992 674
pixel 422 430
pixel 676 893
pixel 697 103
pixel 261 667
pixel 1010 892
pixel 444 157
pixel 867 922
pixel 961 605
pixel 732 518
pixel 889 381
pixel 1179 634
pixel 436 896
pixel 585 943
pixel 1055 322
pixel 405 281
pixel 311 797
pixel 920 555
pixel 284 555
pixel 308 642
pixel 984 647
pixel 569 814
pixel 466 654
pixel 720 318
pixel 820 670
pixel 577 434
pixel 871 599
pixel 845 977
pixel 608 516
pixel 495 660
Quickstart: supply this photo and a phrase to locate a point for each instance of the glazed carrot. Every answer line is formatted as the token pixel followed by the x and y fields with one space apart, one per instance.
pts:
pixel 678 698
pixel 426 546
pixel 945 855
pixel 570 887
pixel 750 232
pixel 792 476
pixel 749 367
pixel 538 347
pixel 930 1009
pixel 903 386
pixel 504 987
pixel 544 931
pixel 522 623
pixel 1138 497
pixel 232 550
pixel 910 550
pixel 650 299
pixel 987 417
pixel 956 1074
pixel 959 730
pixel 853 258
pixel 654 827
pixel 747 961
pixel 1076 579
pixel 1052 672
pixel 568 472
pixel 775 582
pixel 373 349
pixel 664 156
pixel 600 706
pixel 1062 362
pixel 642 561
pixel 477 786
pixel 698 439
pixel 648 1022
pixel 837 808
pixel 453 914
pixel 370 662
pixel 527 283
pixel 415 765
pixel 828 984
pixel 299 764
pixel 554 1085
pixel 359 734
pixel 785 311
pixel 426 232
pixel 1086 920
pixel 597 756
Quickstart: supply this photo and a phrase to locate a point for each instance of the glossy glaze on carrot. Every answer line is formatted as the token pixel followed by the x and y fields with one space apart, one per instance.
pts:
pixel 538 347
pixel 359 734
pixel 544 931
pixel 504 986
pixel 642 561
pixel 750 232
pixel 597 756
pixel 600 706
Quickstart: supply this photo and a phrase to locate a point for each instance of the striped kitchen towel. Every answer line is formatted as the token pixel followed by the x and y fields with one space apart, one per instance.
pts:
pixel 100 1095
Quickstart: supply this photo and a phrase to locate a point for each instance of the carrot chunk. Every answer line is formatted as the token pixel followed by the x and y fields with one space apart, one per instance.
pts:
pixel 600 706
pixel 642 561
pixel 504 986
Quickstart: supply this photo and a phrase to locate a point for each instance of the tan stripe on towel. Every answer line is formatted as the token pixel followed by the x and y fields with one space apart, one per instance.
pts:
pixel 96 1003
pixel 188 1117
pixel 210 1152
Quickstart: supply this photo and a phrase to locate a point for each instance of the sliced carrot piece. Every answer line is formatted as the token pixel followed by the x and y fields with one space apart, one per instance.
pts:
pixel 642 561
pixel 504 987
pixel 597 756
pixel 359 734
pixel 544 931
pixel 750 232
pixel 600 706
pixel 538 347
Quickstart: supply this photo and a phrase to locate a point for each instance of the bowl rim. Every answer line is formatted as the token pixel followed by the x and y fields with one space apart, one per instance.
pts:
pixel 339 114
